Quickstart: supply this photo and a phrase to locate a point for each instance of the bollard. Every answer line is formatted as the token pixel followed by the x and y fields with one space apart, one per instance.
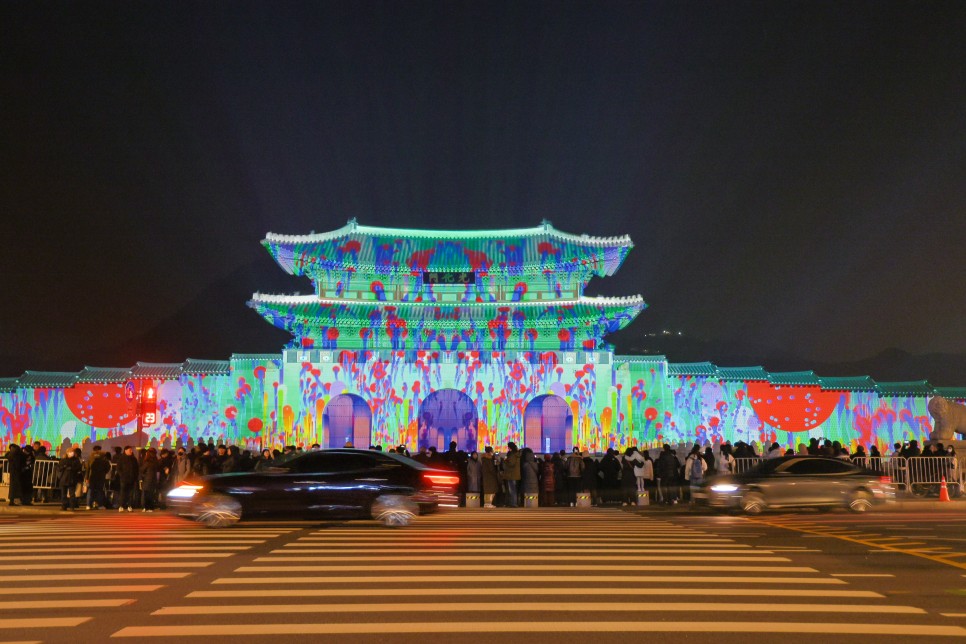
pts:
pixel 583 499
pixel 643 498
pixel 473 500
pixel 530 500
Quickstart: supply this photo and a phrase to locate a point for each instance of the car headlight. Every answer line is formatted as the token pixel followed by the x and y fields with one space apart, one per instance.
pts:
pixel 185 491
pixel 724 487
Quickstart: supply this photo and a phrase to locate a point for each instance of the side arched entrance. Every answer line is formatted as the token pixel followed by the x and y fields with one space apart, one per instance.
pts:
pixel 347 419
pixel 447 415
pixel 547 424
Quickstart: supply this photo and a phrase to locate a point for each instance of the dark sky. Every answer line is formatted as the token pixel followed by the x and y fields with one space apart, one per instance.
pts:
pixel 793 174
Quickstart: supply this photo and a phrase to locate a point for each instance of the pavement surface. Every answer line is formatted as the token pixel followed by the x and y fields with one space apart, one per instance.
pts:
pixel 513 575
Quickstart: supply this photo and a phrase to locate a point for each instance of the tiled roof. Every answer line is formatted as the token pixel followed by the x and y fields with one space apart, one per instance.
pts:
pixel 742 373
pixel 955 393
pixel 43 379
pixel 691 369
pixel 793 378
pixel 158 370
pixel 256 357
pixel 104 374
pixel 195 367
pixel 545 229
pixel 847 383
pixel 8 385
pixel 914 388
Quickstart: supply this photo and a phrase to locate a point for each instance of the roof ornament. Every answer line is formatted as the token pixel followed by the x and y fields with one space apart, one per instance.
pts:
pixel 546 224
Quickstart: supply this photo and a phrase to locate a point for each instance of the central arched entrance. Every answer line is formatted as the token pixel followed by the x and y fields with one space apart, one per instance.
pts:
pixel 347 419
pixel 447 415
pixel 547 424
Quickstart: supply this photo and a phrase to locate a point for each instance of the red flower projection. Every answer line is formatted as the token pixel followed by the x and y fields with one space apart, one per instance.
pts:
pixel 102 406
pixel 791 409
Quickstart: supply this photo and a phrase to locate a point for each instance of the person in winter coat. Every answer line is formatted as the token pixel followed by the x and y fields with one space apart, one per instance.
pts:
pixel 97 470
pixel 69 473
pixel 666 471
pixel 491 476
pixel 511 473
pixel 726 462
pixel 644 473
pixel 15 465
pixel 574 468
pixel 560 478
pixel 149 472
pixel 548 482
pixel 694 469
pixel 127 475
pixel 27 476
pixel 610 471
pixel 628 478
pixel 474 473
pixel 529 474
pixel 590 479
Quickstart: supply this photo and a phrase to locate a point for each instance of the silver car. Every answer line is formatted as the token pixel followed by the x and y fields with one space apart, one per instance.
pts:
pixel 799 481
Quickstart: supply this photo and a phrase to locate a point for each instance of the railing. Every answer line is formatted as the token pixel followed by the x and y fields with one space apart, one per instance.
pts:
pixel 42 477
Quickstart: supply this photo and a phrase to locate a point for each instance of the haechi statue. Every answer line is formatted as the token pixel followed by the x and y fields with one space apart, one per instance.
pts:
pixel 949 417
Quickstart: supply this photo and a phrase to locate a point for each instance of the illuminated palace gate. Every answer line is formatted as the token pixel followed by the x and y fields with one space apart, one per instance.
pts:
pixel 421 338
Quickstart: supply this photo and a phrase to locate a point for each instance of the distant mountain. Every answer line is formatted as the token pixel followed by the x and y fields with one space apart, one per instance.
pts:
pixel 891 365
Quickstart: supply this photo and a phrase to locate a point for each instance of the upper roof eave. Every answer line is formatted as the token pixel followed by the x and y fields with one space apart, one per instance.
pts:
pixel 296 300
pixel 104 374
pixel 354 227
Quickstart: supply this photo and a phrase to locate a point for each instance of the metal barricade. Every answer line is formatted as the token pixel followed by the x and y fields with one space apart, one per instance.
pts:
pixel 926 474
pixel 744 464
pixel 43 474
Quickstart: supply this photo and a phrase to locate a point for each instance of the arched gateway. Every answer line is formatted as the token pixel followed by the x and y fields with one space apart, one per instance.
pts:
pixel 547 424
pixel 347 419
pixel 447 415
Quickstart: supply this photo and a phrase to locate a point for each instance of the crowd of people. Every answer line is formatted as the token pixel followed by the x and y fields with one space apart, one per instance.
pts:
pixel 126 478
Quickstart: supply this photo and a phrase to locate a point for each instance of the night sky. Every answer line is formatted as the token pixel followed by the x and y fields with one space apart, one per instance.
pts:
pixel 793 175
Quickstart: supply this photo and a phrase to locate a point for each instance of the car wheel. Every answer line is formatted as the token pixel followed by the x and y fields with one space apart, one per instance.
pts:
pixel 860 502
pixel 219 511
pixel 394 510
pixel 753 503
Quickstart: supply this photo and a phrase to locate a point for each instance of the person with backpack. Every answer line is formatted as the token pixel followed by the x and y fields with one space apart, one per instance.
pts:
pixel 694 468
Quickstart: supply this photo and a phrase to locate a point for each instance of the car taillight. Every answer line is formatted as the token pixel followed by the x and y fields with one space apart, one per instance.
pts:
pixel 446 480
pixel 885 480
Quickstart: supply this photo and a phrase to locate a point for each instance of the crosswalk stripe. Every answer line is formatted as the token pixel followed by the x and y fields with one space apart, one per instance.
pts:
pixel 46 622
pixel 291 548
pixel 95 575
pixel 123 549
pixel 46 604
pixel 529 578
pixel 485 567
pixel 60 590
pixel 173 555
pixel 556 590
pixel 127 564
pixel 502 626
pixel 541 607
pixel 735 557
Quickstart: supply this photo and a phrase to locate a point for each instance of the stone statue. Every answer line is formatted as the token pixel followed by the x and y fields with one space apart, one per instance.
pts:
pixel 949 419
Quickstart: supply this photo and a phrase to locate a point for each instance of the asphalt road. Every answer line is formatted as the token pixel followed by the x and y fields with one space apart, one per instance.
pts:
pixel 548 575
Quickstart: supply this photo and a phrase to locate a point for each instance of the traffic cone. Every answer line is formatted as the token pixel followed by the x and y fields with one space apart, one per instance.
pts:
pixel 943 492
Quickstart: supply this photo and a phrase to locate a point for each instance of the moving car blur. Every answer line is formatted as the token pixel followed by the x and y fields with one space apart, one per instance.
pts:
pixel 325 484
pixel 799 481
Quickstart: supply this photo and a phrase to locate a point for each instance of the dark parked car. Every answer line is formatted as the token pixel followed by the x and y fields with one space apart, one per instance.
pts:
pixel 799 481
pixel 331 484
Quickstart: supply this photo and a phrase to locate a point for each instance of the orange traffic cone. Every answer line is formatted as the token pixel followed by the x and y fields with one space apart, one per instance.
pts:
pixel 943 492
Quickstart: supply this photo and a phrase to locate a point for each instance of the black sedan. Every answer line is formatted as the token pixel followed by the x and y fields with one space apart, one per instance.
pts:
pixel 799 481
pixel 330 484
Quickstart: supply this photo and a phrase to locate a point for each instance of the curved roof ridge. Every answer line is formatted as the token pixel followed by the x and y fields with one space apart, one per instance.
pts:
pixel 271 298
pixel 546 228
